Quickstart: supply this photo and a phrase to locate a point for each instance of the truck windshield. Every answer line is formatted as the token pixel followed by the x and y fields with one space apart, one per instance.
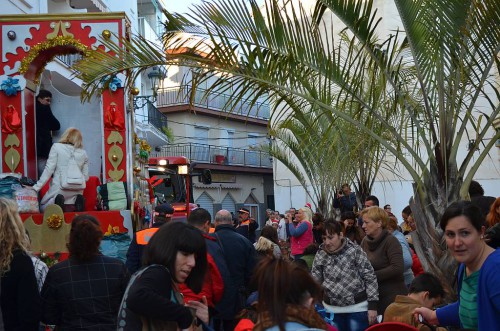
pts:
pixel 171 189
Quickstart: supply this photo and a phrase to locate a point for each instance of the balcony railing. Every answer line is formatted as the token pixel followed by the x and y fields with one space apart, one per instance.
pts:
pixel 217 155
pixel 175 96
pixel 153 117
pixel 69 59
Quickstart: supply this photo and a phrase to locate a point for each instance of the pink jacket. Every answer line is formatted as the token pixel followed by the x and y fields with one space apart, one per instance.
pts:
pixel 299 241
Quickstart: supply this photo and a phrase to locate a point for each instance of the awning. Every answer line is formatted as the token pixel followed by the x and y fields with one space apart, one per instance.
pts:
pixel 90 5
pixel 216 186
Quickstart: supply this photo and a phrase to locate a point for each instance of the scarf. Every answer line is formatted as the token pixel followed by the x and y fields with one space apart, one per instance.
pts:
pixel 373 243
pixel 294 313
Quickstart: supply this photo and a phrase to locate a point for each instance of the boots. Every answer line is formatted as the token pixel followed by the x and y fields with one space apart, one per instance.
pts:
pixel 60 201
pixel 79 203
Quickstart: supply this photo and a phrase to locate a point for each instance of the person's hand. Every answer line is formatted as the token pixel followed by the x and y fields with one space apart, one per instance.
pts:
pixel 201 309
pixel 372 317
pixel 427 314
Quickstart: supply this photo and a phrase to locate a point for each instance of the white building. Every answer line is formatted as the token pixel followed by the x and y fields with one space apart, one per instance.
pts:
pixel 224 142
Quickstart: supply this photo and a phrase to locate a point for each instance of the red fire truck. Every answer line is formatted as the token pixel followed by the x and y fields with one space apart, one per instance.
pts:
pixel 172 180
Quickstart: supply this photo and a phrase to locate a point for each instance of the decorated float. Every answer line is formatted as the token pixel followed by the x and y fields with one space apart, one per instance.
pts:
pixel 117 157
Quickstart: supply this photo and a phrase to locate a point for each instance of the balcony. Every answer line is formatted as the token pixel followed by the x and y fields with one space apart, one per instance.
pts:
pixel 69 59
pixel 145 29
pixel 217 155
pixel 149 119
pixel 177 96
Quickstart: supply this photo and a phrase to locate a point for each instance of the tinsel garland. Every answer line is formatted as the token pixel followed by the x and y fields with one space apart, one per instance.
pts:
pixel 43 46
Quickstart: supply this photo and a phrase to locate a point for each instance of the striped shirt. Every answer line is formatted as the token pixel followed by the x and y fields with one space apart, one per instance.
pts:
pixel 468 301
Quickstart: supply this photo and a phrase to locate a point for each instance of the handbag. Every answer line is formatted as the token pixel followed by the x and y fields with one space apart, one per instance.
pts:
pixel 73 179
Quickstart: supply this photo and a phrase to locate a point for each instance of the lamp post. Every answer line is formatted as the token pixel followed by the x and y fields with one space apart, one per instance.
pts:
pixel 156 75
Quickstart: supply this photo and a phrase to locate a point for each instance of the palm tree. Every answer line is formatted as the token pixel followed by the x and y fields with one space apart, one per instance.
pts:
pixel 432 79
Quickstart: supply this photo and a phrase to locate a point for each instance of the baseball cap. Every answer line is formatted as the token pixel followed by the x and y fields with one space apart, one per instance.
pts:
pixel 244 210
pixel 165 210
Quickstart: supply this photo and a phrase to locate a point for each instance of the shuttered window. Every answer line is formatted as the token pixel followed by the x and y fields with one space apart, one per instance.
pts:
pixel 228 203
pixel 206 202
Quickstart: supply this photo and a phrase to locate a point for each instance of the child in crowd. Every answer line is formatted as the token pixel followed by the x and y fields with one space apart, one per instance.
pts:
pixel 425 290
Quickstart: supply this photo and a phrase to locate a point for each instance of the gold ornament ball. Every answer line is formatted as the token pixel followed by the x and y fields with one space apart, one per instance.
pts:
pixel 114 157
pixel 134 91
pixel 106 34
pixel 137 169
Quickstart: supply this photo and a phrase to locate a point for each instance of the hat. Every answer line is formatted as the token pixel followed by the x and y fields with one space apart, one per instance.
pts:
pixel 308 205
pixel 244 210
pixel 165 210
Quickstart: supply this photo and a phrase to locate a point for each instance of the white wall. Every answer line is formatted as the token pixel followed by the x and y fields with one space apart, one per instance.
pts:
pixel 217 132
pixel 10 7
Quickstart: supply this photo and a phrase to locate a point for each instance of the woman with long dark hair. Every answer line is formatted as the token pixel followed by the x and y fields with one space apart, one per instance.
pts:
pixel 287 293
pixel 20 300
pixel 84 292
pixel 175 254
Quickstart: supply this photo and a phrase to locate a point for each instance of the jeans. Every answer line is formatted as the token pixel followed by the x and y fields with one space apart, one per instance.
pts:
pixel 351 321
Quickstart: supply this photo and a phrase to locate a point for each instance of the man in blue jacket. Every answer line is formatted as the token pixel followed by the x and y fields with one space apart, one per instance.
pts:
pixel 346 200
pixel 240 258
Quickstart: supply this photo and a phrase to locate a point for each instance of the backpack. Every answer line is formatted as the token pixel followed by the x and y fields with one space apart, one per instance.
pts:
pixel 73 179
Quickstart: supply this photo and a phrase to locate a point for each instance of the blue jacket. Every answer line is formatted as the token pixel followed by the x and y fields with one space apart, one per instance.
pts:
pixel 407 257
pixel 346 203
pixel 239 255
pixel 488 297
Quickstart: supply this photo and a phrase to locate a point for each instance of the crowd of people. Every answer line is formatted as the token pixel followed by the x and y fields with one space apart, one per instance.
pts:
pixel 300 271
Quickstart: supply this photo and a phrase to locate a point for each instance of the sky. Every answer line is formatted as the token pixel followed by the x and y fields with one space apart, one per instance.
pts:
pixel 181 6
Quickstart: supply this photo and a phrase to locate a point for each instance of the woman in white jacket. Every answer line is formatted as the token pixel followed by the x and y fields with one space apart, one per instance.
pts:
pixel 56 167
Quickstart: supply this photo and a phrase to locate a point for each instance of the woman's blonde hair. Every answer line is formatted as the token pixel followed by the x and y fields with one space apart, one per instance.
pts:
pixel 377 215
pixel 307 213
pixel 12 233
pixel 264 245
pixel 72 136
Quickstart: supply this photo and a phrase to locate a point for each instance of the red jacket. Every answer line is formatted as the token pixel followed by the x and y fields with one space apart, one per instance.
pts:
pixel 416 266
pixel 213 286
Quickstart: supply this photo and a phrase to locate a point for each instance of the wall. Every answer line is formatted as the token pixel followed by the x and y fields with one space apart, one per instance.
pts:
pixel 183 125
pixel 10 7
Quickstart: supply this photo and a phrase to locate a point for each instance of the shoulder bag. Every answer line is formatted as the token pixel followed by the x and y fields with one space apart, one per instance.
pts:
pixel 73 178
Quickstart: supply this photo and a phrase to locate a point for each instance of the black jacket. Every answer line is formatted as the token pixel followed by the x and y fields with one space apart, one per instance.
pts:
pixel 45 123
pixel 84 295
pixel 20 300
pixel 150 296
